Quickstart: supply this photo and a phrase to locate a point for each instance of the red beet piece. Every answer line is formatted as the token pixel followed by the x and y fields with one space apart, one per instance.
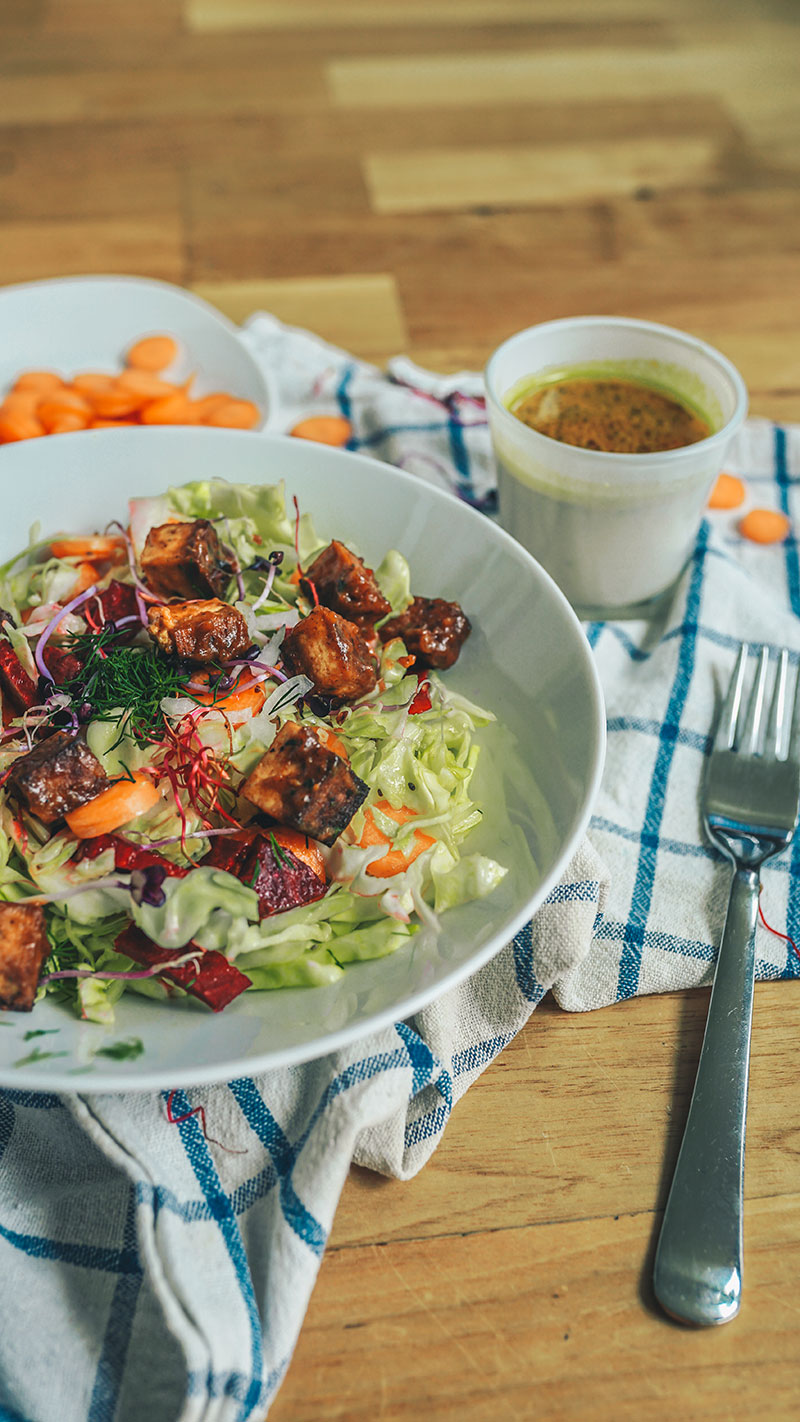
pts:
pixel 128 855
pixel 281 880
pixel 62 666
pixel 118 600
pixel 14 680
pixel 212 979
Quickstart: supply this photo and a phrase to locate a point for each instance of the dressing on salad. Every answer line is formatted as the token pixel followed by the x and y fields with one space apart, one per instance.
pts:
pixel 228 758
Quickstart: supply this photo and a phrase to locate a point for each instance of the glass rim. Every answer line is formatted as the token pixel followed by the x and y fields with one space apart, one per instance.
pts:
pixel 601 457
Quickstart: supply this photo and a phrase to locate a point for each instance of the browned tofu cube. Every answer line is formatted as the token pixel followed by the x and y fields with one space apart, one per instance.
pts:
pixel 185 560
pixel 23 950
pixel 57 776
pixel 433 630
pixel 331 651
pixel 343 583
pixel 305 786
pixel 199 632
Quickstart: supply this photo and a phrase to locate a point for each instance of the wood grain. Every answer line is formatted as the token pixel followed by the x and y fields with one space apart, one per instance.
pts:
pixel 428 177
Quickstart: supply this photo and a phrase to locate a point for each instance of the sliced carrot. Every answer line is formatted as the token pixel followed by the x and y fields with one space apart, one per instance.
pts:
pixel 207 404
pixel 21 402
pixel 765 526
pixel 123 801
pixel 331 742
pixel 19 426
pixel 86 574
pixel 234 415
pixel 68 424
pixel 145 383
pixel 110 424
pixel 117 401
pixel 324 429
pixel 52 411
pixel 244 695
pixel 174 409
pixel 91 382
pixel 727 493
pixel 41 380
pixel 301 847
pixel 94 546
pixel 152 353
pixel 396 861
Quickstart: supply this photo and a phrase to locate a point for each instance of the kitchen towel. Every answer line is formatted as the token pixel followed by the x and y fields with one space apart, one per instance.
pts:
pixel 159 1251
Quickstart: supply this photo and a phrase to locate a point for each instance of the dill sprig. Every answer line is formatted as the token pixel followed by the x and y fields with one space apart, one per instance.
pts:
pixel 132 678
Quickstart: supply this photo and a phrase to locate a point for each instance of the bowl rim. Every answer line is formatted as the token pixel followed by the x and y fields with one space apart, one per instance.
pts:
pixel 209 311
pixel 603 459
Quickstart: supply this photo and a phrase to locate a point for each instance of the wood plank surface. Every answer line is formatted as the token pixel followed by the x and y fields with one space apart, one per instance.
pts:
pixel 428 177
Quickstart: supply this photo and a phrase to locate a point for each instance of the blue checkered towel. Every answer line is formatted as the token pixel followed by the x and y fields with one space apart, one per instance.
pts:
pixel 150 1272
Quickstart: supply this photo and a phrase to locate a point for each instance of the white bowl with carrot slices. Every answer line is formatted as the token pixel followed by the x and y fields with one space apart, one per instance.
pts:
pixel 103 352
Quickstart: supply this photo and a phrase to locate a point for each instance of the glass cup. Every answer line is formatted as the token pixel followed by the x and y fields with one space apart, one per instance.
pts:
pixel 615 531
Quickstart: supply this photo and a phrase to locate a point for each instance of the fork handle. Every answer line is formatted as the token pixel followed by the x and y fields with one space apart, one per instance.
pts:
pixel 698 1268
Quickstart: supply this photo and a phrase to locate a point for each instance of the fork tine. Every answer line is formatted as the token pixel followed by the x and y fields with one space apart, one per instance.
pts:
pixel 793 749
pixel 751 733
pixel 729 714
pixel 774 739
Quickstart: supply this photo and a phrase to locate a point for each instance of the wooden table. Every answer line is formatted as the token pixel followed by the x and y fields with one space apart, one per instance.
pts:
pixel 428 176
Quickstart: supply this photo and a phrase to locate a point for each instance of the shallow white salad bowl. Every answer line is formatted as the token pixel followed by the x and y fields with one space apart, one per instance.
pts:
pixel 527 660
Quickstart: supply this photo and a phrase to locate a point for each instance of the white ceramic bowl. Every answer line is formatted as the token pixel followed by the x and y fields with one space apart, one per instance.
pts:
pixel 87 323
pixel 527 658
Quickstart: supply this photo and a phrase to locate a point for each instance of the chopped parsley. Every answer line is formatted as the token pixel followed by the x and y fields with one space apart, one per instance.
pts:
pixel 125 1051
pixel 36 1055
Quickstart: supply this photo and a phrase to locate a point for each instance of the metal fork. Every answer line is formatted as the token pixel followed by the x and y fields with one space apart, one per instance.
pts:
pixel 750 810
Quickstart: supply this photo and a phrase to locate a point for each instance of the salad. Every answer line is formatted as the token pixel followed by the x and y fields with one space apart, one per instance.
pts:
pixel 229 758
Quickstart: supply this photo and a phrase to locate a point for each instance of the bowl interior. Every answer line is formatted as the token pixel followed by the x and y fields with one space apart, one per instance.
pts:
pixel 527 659
pixel 87 323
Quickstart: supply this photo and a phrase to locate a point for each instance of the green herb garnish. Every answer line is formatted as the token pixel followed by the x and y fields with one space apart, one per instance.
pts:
pixel 280 857
pixel 124 1051
pixel 37 1055
pixel 134 678
pixel 40 1032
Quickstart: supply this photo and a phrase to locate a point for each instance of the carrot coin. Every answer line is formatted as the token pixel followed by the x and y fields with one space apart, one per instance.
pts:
pixel 116 402
pixel 150 386
pixel 173 410
pixel 21 402
pixel 234 415
pixel 19 426
pixel 727 493
pixel 324 429
pixel 123 801
pixel 301 847
pixel 86 574
pixel 54 408
pixel 152 353
pixel 95 546
pixel 41 380
pixel 68 423
pixel 765 526
pixel 395 861
pixel 91 382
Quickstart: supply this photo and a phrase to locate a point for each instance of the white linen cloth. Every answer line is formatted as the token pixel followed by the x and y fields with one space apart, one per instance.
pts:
pixel 150 1271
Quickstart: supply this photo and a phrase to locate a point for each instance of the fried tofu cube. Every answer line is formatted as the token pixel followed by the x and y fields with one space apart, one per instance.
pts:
pixel 199 632
pixel 23 950
pixel 433 630
pixel 184 560
pixel 300 783
pixel 331 651
pixel 343 583
pixel 57 776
